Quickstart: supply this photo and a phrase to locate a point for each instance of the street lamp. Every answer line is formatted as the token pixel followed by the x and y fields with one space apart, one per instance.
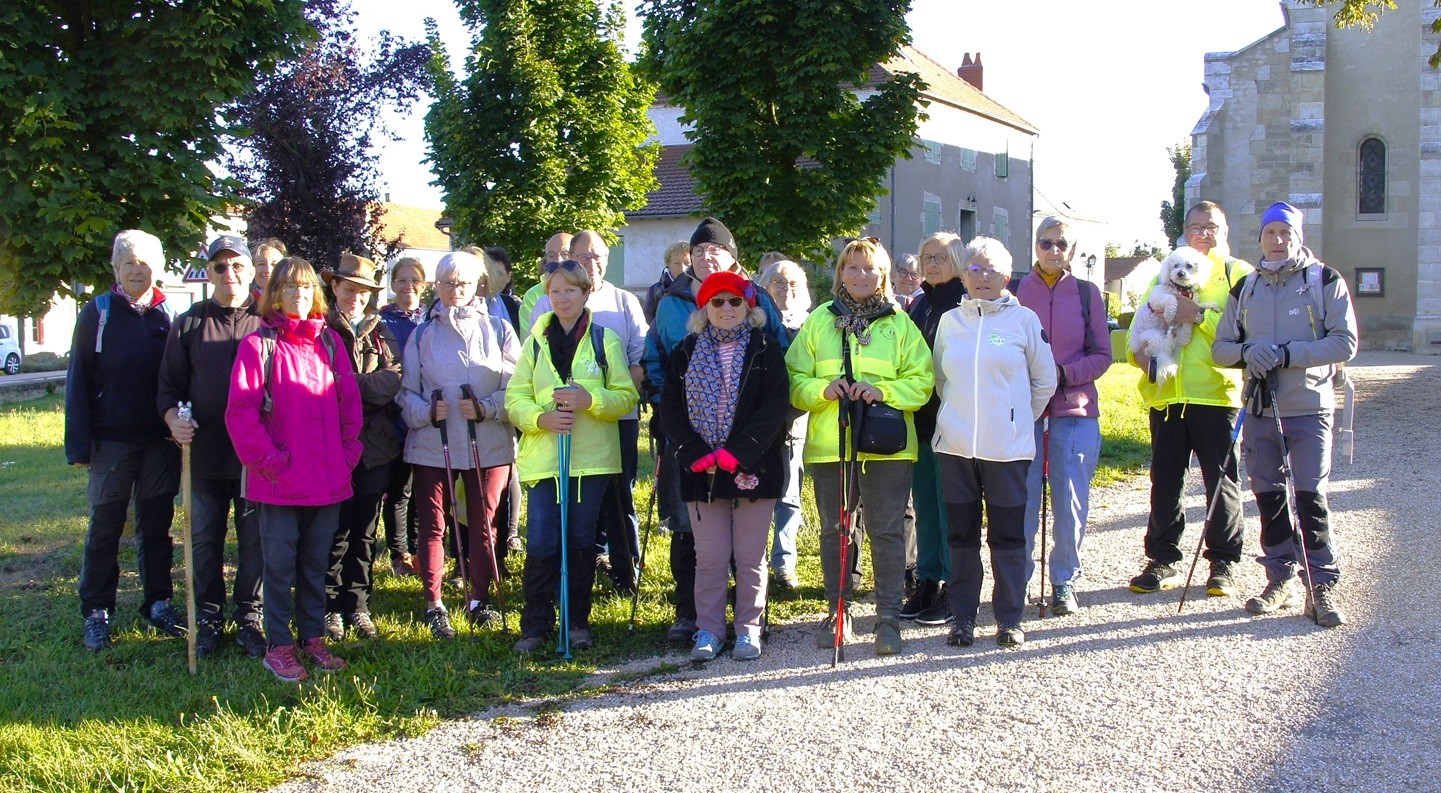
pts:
pixel 1091 268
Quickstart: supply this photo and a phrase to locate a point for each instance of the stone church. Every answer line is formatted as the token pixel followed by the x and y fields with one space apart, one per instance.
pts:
pixel 1346 125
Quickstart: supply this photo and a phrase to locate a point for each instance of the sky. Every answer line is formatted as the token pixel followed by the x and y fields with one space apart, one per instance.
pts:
pixel 1110 84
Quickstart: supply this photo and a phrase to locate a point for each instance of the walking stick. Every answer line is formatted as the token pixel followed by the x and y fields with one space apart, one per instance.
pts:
pixel 645 543
pixel 1291 504
pixel 489 529
pixel 563 458
pixel 1216 492
pixel 1045 502
pixel 188 539
pixel 460 561
pixel 838 652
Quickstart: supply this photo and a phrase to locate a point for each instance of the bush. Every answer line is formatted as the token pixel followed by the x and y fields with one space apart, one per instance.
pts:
pixel 45 362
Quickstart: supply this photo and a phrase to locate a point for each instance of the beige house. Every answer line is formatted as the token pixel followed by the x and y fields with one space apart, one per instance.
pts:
pixel 1346 125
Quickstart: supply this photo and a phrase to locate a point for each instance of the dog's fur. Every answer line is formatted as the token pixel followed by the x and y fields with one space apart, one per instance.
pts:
pixel 1154 330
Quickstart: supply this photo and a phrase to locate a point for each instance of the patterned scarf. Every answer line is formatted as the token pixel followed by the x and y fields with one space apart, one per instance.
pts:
pixel 859 314
pixel 710 386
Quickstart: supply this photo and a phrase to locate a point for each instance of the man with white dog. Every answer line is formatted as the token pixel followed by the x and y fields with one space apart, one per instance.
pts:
pixel 1194 411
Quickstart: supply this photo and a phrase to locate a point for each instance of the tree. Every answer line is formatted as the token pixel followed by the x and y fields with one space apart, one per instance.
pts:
pixel 109 120
pixel 547 131
pixel 306 163
pixel 1173 213
pixel 786 151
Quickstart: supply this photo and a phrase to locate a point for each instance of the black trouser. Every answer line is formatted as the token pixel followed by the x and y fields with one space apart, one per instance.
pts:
pixel 212 501
pixel 399 517
pixel 618 529
pixel 349 580
pixel 1176 432
pixel 1001 486
pixel 296 544
pixel 150 474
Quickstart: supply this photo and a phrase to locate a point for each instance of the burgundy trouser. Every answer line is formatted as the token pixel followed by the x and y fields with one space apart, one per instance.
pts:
pixel 431 497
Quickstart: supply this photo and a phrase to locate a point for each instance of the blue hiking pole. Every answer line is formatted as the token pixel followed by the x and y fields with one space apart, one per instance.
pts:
pixel 563 456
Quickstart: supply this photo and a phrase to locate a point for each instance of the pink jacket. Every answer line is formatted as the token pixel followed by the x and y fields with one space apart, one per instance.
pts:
pixel 1079 366
pixel 302 452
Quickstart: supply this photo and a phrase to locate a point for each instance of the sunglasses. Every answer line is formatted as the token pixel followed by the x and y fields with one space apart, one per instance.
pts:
pixel 871 240
pixel 551 267
pixel 734 302
pixel 1060 245
pixel 234 266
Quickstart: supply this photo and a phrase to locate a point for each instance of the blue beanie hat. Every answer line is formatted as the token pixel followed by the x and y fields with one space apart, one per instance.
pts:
pixel 1285 213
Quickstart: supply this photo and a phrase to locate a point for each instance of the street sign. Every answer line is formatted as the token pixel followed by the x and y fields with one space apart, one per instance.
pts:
pixel 195 275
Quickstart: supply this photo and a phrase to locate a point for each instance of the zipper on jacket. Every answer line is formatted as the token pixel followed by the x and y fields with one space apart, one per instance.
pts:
pixel 1311 315
pixel 976 380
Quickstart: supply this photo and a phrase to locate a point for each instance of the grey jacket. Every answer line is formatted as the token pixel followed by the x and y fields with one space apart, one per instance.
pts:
pixel 1316 335
pixel 459 345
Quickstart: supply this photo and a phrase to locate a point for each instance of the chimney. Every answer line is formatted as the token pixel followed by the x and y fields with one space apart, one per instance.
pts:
pixel 970 70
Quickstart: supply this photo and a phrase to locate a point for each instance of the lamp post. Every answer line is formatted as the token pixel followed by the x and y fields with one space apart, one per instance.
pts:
pixel 1091 268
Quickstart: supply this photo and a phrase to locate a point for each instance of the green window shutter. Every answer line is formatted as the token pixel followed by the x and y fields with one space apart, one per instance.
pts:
pixel 615 266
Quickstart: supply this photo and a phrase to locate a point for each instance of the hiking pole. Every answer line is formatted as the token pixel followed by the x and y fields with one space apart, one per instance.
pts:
pixel 645 543
pixel 489 529
pixel 1292 505
pixel 1346 422
pixel 1216 492
pixel 1045 503
pixel 843 527
pixel 562 442
pixel 188 538
pixel 460 561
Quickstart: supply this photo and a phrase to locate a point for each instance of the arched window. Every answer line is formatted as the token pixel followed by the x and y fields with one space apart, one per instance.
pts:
pixel 1372 177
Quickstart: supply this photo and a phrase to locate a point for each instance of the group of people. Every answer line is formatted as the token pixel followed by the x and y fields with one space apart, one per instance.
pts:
pixel 928 399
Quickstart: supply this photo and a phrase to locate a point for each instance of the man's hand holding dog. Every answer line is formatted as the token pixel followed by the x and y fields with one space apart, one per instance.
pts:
pixel 1188 311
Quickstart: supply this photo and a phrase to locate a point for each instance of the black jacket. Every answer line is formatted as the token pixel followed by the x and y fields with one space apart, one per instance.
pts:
pixel 110 395
pixel 926 312
pixel 757 437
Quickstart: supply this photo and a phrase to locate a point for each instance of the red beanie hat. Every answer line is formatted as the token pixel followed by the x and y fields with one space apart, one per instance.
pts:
pixel 726 281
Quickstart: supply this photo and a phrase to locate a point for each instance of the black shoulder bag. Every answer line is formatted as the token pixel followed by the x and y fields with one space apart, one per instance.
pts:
pixel 877 428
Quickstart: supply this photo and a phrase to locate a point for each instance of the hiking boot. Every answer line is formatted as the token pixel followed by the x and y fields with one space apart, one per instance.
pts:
pixel 1277 595
pixel 1222 581
pixel 681 630
pixel 938 612
pixel 515 545
pixel 581 639
pixel 1010 636
pixel 316 652
pixel 920 599
pixel 282 663
pixel 207 638
pixel 250 635
pixel 747 648
pixel 334 626
pixel 529 644
pixel 963 633
pixel 481 615
pixel 786 581
pixel 1323 608
pixel 97 631
pixel 363 625
pixel 165 619
pixel 1156 577
pixel 439 621
pixel 402 566
pixel 707 644
pixel 1063 600
pixel 888 637
pixel 826 633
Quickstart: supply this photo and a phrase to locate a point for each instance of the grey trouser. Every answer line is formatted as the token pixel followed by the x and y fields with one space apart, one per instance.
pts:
pixel 884 487
pixel 1309 441
pixel 296 543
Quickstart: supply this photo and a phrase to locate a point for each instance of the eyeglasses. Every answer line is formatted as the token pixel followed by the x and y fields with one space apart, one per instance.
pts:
pixel 568 264
pixel 982 272
pixel 295 289
pixel 935 258
pixel 733 302
pixel 451 286
pixel 234 266
pixel 1197 230
pixel 907 274
pixel 587 257
pixel 1060 245
pixel 707 249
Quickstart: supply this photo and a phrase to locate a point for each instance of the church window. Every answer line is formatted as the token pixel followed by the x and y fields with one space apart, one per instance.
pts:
pixel 1372 175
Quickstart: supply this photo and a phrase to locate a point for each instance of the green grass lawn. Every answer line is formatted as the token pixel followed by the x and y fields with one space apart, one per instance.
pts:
pixel 133 718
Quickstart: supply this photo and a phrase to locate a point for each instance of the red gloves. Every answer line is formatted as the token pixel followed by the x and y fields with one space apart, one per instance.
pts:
pixel 700 466
pixel 726 461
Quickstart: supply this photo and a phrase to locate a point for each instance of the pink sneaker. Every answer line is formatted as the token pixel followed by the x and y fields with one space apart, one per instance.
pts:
pixel 316 652
pixel 282 663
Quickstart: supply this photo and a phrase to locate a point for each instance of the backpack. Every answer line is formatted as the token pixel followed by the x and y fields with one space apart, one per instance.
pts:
pixel 267 362
pixel 1313 287
pixel 102 304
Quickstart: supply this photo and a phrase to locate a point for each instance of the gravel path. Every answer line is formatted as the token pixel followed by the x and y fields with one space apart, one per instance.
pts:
pixel 1122 695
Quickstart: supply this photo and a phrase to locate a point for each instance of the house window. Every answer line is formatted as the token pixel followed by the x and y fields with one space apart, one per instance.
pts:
pixel 615 264
pixel 968 159
pixel 1003 162
pixel 933 151
pixel 873 217
pixel 930 215
pixel 1372 177
pixel 1001 226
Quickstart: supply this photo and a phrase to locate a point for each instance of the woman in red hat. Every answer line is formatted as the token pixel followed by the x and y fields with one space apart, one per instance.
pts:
pixel 724 409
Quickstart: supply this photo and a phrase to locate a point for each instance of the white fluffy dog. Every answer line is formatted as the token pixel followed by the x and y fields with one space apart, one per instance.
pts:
pixel 1154 330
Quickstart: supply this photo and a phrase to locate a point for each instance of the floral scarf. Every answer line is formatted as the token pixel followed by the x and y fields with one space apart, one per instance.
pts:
pixel 711 388
pixel 859 314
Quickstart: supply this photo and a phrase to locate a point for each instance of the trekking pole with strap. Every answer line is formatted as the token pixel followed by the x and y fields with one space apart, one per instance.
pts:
pixel 188 539
pixel 838 653
pixel 1216 492
pixel 1346 422
pixel 1045 503
pixel 562 443
pixel 460 561
pixel 1292 505
pixel 645 543
pixel 467 393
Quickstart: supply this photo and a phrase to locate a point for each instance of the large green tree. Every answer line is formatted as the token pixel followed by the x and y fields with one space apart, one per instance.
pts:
pixel 787 151
pixel 546 131
pixel 108 120
pixel 1173 212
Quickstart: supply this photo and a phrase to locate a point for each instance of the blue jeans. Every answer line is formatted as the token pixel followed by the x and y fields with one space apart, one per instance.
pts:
pixel 295 542
pixel 541 578
pixel 1075 449
pixel 788 515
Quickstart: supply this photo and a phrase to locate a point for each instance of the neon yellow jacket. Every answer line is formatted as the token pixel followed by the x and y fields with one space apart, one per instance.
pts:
pixel 1200 381
pixel 595 442
pixel 897 361
pixel 527 307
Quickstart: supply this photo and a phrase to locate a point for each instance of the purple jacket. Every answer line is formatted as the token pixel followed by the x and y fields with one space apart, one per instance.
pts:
pixel 302 452
pixel 1079 364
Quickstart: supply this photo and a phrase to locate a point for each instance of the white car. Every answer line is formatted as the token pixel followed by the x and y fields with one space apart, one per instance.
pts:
pixel 9 349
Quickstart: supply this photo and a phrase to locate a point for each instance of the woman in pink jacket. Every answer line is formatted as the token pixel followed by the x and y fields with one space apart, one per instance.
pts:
pixel 294 416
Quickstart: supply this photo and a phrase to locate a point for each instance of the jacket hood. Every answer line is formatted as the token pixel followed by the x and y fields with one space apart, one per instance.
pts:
pixel 308 328
pixel 1302 261
pixel 1005 301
